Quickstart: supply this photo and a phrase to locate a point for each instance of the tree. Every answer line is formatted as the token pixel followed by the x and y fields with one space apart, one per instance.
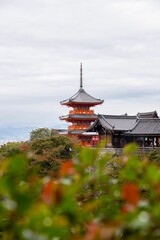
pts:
pixel 49 153
pixel 54 132
pixel 40 133
pixel 12 148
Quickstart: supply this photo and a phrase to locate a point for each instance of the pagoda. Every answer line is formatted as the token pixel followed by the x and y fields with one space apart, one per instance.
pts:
pixel 81 116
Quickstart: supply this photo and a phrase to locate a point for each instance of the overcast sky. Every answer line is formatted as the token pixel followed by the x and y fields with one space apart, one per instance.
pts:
pixel 43 42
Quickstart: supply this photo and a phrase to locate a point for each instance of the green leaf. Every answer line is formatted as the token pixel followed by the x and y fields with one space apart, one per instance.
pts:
pixel 131 148
pixel 18 164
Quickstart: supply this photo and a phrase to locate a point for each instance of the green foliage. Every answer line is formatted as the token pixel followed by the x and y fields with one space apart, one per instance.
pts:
pixel 131 148
pixel 94 197
pixel 40 133
pixel 41 146
pixel 10 149
pixel 154 156
pixel 54 132
pixel 49 153
pixel 45 154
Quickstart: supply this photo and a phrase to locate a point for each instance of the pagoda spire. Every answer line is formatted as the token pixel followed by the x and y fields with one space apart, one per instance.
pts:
pixel 81 79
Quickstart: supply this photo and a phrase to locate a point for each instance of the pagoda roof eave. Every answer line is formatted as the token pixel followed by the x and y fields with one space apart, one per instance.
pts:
pixel 73 103
pixel 92 117
pixel 81 97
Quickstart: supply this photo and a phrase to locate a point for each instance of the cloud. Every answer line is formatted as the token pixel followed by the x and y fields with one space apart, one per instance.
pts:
pixel 43 42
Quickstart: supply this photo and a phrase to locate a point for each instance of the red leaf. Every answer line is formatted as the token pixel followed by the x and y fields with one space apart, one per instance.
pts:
pixel 131 193
pixel 67 168
pixel 52 193
pixel 47 194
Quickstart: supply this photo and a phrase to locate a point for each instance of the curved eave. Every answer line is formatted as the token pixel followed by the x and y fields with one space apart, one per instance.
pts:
pixel 100 120
pixel 82 97
pixel 72 103
pixel 79 117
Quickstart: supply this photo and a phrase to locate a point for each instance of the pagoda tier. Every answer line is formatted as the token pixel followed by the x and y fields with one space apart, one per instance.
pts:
pixel 81 116
pixel 80 120
pixel 81 99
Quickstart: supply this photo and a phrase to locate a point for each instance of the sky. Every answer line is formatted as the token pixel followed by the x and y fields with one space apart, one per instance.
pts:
pixel 43 42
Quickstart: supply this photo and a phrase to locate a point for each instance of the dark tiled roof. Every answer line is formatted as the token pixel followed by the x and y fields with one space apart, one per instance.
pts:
pixel 79 116
pixel 82 97
pixel 132 125
pixel 117 122
pixel 147 115
pixel 146 127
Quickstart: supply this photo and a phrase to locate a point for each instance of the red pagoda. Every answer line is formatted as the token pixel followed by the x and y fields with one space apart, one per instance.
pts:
pixel 81 116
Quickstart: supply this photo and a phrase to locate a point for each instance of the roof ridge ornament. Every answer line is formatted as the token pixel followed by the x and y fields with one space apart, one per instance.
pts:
pixel 81 78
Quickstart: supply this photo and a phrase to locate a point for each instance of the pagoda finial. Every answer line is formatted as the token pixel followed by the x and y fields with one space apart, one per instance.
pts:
pixel 81 80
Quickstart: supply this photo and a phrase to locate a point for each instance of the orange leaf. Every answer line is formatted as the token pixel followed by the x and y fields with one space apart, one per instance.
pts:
pixel 131 193
pixel 47 194
pixel 52 193
pixel 67 168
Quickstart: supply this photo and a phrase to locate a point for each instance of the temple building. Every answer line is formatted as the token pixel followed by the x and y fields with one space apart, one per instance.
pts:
pixel 115 130
pixel 119 130
pixel 81 116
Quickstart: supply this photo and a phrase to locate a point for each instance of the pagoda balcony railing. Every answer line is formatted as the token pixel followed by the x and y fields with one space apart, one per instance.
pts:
pixel 81 112
pixel 76 127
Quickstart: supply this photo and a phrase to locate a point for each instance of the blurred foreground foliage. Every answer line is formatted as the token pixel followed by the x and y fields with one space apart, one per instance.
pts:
pixel 93 197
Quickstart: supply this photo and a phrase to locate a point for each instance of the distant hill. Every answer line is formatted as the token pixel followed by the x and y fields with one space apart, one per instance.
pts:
pixel 12 134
